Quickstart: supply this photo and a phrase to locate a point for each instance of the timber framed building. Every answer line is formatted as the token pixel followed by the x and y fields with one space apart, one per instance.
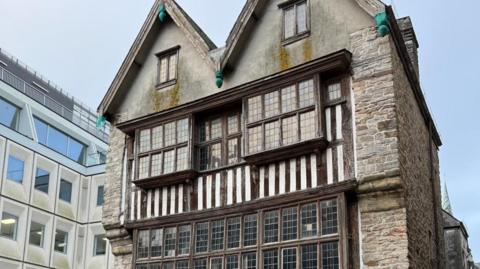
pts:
pixel 305 142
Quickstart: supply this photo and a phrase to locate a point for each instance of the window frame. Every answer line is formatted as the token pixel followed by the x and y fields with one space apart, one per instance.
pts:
pixel 15 227
pixel 163 149
pixel 319 240
pixel 297 35
pixel 19 159
pixel 164 54
pixel 100 195
pixel 15 120
pixel 65 241
pixel 42 236
pixel 316 107
pixel 95 244
pixel 222 140
pixel 60 189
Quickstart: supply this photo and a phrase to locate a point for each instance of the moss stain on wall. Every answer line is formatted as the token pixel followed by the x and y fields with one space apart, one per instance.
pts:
pixel 307 50
pixel 284 58
pixel 165 98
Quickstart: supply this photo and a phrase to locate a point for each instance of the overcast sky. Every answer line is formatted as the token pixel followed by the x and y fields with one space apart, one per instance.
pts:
pixel 80 45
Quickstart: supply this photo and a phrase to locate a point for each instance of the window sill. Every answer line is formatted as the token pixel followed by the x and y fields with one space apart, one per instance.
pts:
pixel 163 85
pixel 165 180
pixel 290 151
pixel 295 38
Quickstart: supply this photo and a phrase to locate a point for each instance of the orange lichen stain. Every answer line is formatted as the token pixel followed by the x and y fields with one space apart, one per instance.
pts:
pixel 307 50
pixel 284 59
pixel 165 98
pixel 174 97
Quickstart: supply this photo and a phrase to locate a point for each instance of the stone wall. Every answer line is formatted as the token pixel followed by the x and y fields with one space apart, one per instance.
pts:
pixel 419 173
pixel 120 239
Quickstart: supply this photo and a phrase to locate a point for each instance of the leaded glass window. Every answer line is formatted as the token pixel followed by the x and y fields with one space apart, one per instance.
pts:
pixel 232 262
pixel 289 258
pixel 250 230
pixel 272 134
pixel 217 234
pixel 233 232
pixel 249 260
pixel 295 20
pixel 271 227
pixel 170 240
pixel 309 257
pixel 330 258
pixel 270 259
pixel 289 223
pixel 167 66
pixel 216 263
pixel 156 242
pixel 334 91
pixel 184 235
pixel 142 244
pixel 309 220
pixel 201 239
pixel 329 217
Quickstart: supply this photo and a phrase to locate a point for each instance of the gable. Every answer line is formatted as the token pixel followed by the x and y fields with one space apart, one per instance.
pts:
pixel 263 54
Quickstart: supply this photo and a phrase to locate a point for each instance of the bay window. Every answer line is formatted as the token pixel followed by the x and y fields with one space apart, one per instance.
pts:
pixel 163 149
pixel 282 117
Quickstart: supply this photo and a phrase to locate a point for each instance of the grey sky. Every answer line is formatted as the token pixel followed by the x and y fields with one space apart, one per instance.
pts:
pixel 81 44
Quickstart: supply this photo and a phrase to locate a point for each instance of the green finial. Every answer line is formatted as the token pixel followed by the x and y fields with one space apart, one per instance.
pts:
pixel 162 13
pixel 101 121
pixel 219 78
pixel 446 200
pixel 381 20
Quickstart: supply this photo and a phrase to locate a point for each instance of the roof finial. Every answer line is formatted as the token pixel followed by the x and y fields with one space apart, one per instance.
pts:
pixel 446 200
pixel 162 12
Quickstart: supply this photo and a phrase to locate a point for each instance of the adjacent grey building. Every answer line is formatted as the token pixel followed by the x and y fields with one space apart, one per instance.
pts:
pixel 52 164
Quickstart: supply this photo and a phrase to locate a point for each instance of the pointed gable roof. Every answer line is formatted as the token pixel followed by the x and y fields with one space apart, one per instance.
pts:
pixel 130 65
pixel 202 43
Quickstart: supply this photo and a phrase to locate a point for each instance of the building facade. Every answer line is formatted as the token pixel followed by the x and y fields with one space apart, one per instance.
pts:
pixel 52 167
pixel 457 252
pixel 305 142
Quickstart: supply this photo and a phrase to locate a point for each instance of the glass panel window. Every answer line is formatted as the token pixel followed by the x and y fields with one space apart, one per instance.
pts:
pixel 250 230
pixel 182 264
pixel 289 22
pixel 216 129
pixel 184 235
pixel 8 114
pixel 100 197
pixel 61 241
pixel 216 263
pixel 254 108
pixel 329 217
pixel 334 91
pixel 144 140
pixel 272 107
pixel 204 131
pixel 309 220
pixel 233 125
pixel 289 99
pixel 289 223
pixel 255 139
pixel 167 67
pixel 201 239
pixel 203 157
pixel 156 165
pixel 307 125
pixel 15 169
pixel 306 93
pixel 8 226
pixel 169 134
pixel 156 242
pixel 145 266
pixel 271 227
pixel 289 258
pixel 182 158
pixel 217 234
pixel 172 68
pixel 215 155
pixel 270 259
pixel 233 151
pixel 272 134
pixel 289 130
pixel 301 17
pixel 76 150
pixel 65 193
pixel 182 130
pixel 42 179
pixel 233 232
pixel 309 257
pixel 330 255
pixel 41 129
pixel 157 137
pixel 169 164
pixel 37 233
pixel 143 166
pixel 200 264
pixel 142 244
pixel 100 245
pixel 57 141
pixel 249 260
pixel 170 240
pixel 232 262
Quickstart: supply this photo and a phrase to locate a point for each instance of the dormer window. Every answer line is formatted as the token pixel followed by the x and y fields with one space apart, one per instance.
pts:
pixel 295 20
pixel 167 67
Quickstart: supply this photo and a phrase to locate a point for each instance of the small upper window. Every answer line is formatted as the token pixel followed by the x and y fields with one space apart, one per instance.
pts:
pixel 295 19
pixel 100 198
pixel 8 114
pixel 65 193
pixel 99 245
pixel 42 179
pixel 15 169
pixel 167 66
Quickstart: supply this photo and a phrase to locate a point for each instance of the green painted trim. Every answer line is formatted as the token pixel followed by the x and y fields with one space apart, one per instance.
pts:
pixel 219 78
pixel 381 21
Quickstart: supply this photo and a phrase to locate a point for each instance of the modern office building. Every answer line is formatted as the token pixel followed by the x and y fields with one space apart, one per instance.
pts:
pixel 305 142
pixel 52 164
